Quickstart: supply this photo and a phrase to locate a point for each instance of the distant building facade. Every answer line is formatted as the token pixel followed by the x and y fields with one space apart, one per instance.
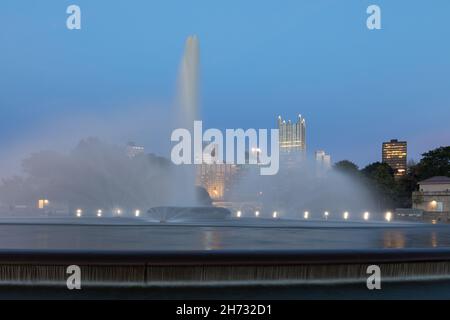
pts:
pixel 134 150
pixel 323 160
pixel 394 153
pixel 292 140
pixel 433 198
pixel 215 176
pixel 408 214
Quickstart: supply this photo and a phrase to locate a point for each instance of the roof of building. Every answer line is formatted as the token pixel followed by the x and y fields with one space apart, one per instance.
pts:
pixel 436 180
pixel 394 141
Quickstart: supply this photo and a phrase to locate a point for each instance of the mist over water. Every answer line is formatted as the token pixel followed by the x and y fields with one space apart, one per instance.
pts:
pixel 306 187
pixel 97 174
pixel 143 122
pixel 93 175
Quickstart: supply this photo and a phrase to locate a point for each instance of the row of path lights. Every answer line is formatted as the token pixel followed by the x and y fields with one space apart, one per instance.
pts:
pixel 306 215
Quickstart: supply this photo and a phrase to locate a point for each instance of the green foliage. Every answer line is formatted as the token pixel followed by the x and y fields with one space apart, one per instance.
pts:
pixel 347 167
pixel 397 193
pixel 381 181
pixel 434 163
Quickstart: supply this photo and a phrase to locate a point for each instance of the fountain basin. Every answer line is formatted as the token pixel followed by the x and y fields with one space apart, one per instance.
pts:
pixel 220 268
pixel 184 260
pixel 205 213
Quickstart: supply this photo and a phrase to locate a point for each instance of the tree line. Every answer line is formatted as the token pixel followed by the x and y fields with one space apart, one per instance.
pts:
pixel 391 193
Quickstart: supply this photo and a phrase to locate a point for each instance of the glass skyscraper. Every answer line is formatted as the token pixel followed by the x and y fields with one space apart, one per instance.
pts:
pixel 292 140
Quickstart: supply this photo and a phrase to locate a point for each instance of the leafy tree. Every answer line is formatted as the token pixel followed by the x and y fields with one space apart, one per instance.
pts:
pixel 380 177
pixel 346 166
pixel 434 163
pixel 93 175
pixel 379 170
pixel 397 193
pixel 405 187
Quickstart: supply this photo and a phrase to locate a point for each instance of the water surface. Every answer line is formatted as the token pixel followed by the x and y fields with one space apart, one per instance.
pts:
pixel 246 234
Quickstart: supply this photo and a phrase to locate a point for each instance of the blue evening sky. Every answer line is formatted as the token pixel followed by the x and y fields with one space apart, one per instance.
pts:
pixel 259 59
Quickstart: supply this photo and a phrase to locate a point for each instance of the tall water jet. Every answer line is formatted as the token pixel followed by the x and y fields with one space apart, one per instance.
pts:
pixel 188 88
pixel 186 112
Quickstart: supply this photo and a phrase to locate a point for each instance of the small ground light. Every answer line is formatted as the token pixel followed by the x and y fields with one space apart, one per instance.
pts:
pixel 79 212
pixel 137 213
pixel 326 213
pixel 99 213
pixel 388 216
pixel 238 214
pixel 118 212
pixel 346 215
pixel 275 214
pixel 366 215
pixel 256 213
pixel 306 215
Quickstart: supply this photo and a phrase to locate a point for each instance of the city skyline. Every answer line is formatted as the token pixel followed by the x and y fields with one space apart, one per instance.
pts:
pixel 244 150
pixel 73 82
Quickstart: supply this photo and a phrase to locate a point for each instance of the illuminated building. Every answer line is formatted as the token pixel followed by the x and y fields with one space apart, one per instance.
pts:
pixel 433 198
pixel 42 203
pixel 215 176
pixel 292 135
pixel 292 140
pixel 53 208
pixel 394 154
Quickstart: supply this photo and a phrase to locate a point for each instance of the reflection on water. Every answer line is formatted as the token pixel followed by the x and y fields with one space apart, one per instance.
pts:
pixel 434 240
pixel 211 240
pixel 263 235
pixel 394 239
pixel 416 238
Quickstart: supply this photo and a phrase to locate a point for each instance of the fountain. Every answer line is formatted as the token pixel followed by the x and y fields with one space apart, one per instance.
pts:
pixel 283 250
pixel 188 85
pixel 186 206
pixel 186 111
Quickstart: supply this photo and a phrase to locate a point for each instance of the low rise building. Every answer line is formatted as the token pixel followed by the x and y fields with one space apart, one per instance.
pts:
pixel 433 198
pixel 408 214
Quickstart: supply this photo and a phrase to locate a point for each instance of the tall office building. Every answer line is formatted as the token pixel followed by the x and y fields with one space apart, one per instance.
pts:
pixel 292 135
pixel 292 140
pixel 394 153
